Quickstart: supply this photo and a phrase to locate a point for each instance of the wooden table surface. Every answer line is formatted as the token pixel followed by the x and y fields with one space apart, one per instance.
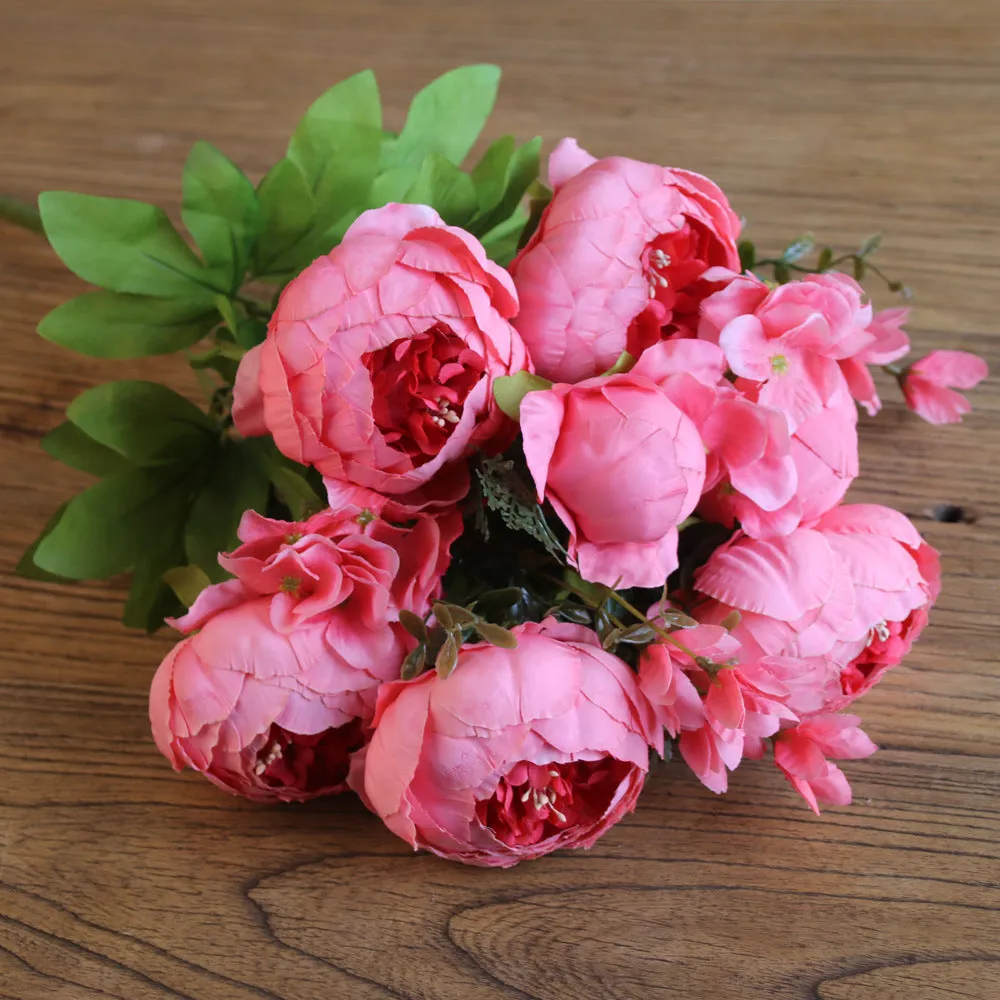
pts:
pixel 119 878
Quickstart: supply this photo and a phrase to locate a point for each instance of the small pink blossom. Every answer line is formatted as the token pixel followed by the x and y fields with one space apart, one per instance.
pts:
pixel 622 245
pixel 518 752
pixel 802 751
pixel 890 344
pixel 930 383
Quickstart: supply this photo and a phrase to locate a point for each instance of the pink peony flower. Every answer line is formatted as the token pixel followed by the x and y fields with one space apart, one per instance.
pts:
pixel 517 753
pixel 379 358
pixel 623 246
pixel 930 383
pixel 794 593
pixel 896 576
pixel 790 339
pixel 622 465
pixel 890 344
pixel 801 754
pixel 272 714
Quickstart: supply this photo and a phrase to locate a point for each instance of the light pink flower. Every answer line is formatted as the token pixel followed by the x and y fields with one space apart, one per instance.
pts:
pixel 792 340
pixel 890 344
pixel 823 454
pixel 622 245
pixel 379 359
pixel 517 753
pixel 622 465
pixel 271 714
pixel 930 383
pixel 801 753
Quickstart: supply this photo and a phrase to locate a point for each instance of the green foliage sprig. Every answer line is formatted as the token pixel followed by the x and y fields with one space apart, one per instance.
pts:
pixel 173 478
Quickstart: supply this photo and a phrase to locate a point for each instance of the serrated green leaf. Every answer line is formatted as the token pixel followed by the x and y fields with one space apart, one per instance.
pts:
pixel 123 245
pixel 220 211
pixel 287 214
pixel 26 566
pixel 68 444
pixel 144 421
pixel 521 172
pixel 509 390
pixel 112 325
pixel 236 483
pixel 110 527
pixel 447 116
pixel 447 189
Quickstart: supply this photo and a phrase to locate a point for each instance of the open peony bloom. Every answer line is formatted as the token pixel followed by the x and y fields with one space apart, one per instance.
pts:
pixel 517 753
pixel 379 358
pixel 896 577
pixel 929 385
pixel 621 254
pixel 269 714
pixel 801 752
pixel 622 465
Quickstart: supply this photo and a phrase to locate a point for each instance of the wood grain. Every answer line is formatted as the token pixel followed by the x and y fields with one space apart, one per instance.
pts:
pixel 120 879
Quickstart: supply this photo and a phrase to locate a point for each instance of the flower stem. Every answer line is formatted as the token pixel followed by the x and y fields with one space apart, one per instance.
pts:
pixel 20 213
pixel 635 612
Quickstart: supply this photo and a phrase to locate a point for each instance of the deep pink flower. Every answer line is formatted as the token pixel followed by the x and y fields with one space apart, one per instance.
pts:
pixel 890 344
pixel 801 752
pixel 623 245
pixel 517 753
pixel 272 714
pixel 622 465
pixel 930 383
pixel 379 359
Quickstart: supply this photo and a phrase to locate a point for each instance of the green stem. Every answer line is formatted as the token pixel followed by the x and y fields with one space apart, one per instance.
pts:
pixel 20 213
pixel 632 610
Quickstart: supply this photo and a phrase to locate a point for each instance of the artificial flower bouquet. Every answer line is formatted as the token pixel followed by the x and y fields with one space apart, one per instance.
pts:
pixel 501 487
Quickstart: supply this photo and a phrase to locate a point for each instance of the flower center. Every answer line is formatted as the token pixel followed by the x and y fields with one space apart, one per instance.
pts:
pixel 307 763
pixel 779 364
pixel 419 388
pixel 536 801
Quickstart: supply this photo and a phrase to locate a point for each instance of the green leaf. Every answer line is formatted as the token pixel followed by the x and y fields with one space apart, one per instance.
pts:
pixel 859 268
pixel 292 487
pixel 236 483
pixel 870 245
pixel 144 421
pixel 521 173
pixel 490 174
pixel 250 332
pixel 71 446
pixel 150 597
pixel 123 245
pixel 798 249
pixel 447 657
pixel 496 635
pixel 109 528
pixel 221 213
pixel 447 116
pixel 509 390
pixel 445 188
pixel 392 184
pixel 825 259
pixel 625 363
pixel 337 146
pixel 187 582
pixel 782 274
pixel 26 565
pixel 748 255
pixel 502 243
pixel 112 325
pixel 287 213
